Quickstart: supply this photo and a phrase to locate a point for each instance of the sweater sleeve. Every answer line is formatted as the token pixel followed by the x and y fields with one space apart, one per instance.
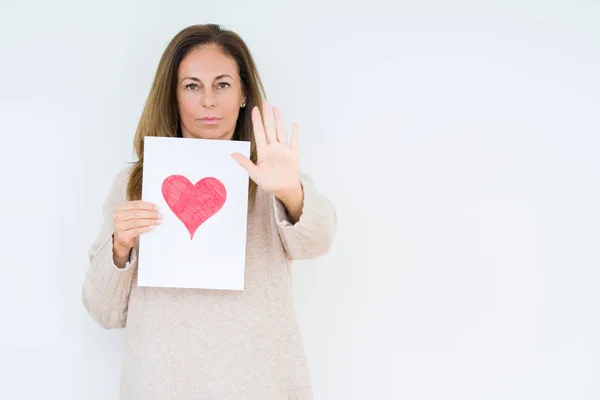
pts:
pixel 105 291
pixel 312 235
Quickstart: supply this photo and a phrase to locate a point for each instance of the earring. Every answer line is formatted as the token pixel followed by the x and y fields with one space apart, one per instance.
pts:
pixel 243 105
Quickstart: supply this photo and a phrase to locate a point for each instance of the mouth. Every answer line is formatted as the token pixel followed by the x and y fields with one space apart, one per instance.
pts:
pixel 210 120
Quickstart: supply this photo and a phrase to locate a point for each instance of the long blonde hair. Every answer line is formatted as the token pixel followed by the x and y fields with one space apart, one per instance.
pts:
pixel 160 116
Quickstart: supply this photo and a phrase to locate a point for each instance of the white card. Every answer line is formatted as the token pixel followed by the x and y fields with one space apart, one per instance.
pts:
pixel 202 193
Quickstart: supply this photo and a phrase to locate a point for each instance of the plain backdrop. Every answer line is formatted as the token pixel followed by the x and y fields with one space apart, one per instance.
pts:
pixel 459 141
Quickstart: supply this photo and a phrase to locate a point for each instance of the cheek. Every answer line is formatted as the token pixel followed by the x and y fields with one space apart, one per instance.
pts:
pixel 232 105
pixel 186 105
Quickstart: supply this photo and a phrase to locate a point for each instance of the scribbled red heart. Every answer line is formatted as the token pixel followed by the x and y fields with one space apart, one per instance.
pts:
pixel 194 204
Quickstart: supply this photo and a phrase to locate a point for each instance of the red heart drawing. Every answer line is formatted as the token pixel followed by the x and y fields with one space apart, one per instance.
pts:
pixel 193 204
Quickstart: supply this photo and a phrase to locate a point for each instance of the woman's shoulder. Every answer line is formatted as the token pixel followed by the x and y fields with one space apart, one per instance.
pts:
pixel 120 181
pixel 123 173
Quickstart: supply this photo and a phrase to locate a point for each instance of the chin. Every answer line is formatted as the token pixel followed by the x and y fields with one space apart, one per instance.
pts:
pixel 203 131
pixel 212 134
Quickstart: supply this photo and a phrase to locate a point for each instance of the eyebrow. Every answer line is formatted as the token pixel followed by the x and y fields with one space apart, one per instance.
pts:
pixel 193 78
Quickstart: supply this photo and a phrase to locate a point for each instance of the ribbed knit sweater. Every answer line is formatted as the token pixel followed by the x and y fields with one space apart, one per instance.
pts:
pixel 185 344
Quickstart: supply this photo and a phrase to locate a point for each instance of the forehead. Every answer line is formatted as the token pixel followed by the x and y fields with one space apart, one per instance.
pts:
pixel 207 62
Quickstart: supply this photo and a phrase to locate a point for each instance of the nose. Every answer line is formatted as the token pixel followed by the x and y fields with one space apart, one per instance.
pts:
pixel 209 99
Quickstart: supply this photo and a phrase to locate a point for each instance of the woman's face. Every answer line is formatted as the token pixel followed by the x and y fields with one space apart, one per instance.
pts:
pixel 209 94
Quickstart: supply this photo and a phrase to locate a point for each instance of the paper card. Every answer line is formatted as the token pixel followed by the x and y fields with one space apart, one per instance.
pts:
pixel 202 193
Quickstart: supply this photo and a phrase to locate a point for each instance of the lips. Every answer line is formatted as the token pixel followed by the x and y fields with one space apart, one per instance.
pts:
pixel 210 120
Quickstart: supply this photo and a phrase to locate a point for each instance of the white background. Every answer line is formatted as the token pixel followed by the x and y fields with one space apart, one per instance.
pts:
pixel 465 174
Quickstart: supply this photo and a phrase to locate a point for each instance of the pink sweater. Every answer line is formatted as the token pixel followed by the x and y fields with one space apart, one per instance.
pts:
pixel 185 344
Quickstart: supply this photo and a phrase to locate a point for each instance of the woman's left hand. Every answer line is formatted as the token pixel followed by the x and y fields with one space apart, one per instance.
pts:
pixel 277 169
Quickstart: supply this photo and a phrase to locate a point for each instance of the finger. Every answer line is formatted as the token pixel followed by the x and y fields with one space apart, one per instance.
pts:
pixel 294 140
pixel 138 231
pixel 136 223
pixel 281 136
pixel 127 238
pixel 133 232
pixel 136 214
pixel 247 164
pixel 269 120
pixel 259 131
pixel 137 204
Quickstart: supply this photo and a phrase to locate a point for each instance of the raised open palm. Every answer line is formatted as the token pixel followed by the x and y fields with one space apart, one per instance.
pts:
pixel 277 169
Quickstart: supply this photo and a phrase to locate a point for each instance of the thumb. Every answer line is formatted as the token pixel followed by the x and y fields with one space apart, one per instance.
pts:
pixel 247 164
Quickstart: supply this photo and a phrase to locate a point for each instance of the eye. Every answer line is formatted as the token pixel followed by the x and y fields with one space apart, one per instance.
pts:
pixel 223 85
pixel 192 86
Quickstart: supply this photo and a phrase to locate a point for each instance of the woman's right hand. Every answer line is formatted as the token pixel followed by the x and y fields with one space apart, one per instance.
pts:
pixel 131 219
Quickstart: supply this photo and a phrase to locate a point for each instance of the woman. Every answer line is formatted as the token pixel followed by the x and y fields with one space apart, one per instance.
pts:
pixel 212 344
